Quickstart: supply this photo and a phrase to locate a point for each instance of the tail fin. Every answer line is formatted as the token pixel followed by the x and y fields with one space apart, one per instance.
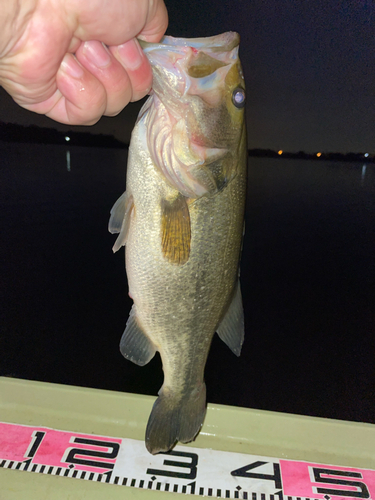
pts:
pixel 174 418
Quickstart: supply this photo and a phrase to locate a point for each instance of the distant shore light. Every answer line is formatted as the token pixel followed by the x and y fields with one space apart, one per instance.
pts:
pixel 67 138
pixel 366 155
pixel 280 152
pixel 318 154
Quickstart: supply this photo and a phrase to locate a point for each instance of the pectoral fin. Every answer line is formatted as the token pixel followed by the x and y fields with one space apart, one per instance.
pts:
pixel 232 328
pixel 176 232
pixel 134 344
pixel 120 219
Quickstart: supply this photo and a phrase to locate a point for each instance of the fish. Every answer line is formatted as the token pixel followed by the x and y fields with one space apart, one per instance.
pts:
pixel 181 220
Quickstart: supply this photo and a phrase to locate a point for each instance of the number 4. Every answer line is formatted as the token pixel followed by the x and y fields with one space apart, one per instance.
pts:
pixel 244 472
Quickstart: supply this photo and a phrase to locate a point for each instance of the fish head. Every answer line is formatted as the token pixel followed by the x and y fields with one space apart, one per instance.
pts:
pixel 196 125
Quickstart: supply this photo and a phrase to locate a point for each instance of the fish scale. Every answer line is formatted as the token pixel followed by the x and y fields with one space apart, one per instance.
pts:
pixel 183 251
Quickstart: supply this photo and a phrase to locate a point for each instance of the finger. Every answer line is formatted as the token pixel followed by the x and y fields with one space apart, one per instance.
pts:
pixel 80 99
pixel 156 24
pixel 96 58
pixel 137 67
pixel 116 21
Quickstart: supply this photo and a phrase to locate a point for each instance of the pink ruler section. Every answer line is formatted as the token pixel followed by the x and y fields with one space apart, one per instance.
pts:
pixel 58 448
pixel 309 480
pixel 187 470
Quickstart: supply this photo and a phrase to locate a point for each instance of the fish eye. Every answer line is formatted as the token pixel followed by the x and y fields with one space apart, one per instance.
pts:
pixel 238 97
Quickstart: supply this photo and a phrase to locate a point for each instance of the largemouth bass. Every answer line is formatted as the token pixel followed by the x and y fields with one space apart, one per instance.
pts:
pixel 181 219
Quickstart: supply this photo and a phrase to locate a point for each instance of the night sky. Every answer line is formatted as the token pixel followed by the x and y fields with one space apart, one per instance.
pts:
pixel 309 68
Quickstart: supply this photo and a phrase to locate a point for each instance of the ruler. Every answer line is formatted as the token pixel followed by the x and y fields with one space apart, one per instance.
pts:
pixel 194 471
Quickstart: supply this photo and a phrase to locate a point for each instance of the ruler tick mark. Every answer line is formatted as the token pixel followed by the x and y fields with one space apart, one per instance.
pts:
pixel 211 464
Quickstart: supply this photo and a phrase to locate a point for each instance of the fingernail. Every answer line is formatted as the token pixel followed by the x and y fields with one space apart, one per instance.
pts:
pixel 131 54
pixel 97 53
pixel 71 66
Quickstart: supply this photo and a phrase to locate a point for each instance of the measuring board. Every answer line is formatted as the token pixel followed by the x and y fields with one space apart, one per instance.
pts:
pixel 194 471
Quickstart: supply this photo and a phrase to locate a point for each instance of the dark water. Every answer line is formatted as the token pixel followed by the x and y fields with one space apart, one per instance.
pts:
pixel 308 280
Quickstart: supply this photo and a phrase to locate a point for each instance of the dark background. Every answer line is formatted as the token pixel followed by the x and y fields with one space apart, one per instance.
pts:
pixel 307 275
pixel 308 266
pixel 309 69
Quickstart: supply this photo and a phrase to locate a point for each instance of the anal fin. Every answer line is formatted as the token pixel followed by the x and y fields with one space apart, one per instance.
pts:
pixel 176 230
pixel 232 327
pixel 134 344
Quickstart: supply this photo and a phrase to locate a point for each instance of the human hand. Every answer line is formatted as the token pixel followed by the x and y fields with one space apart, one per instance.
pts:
pixel 76 60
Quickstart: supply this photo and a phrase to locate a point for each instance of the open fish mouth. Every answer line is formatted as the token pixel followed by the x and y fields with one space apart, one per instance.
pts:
pixel 196 57
pixel 223 42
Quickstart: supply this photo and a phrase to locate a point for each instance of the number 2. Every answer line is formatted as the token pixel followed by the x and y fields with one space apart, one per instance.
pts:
pixel 70 453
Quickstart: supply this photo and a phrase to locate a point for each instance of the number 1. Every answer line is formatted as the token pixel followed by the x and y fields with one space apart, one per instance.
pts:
pixel 35 443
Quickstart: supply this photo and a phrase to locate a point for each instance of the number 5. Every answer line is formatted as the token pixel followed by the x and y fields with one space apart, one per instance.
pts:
pixel 318 477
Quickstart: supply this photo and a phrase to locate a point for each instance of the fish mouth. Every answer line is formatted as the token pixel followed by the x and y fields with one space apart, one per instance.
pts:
pixel 178 55
pixel 218 43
